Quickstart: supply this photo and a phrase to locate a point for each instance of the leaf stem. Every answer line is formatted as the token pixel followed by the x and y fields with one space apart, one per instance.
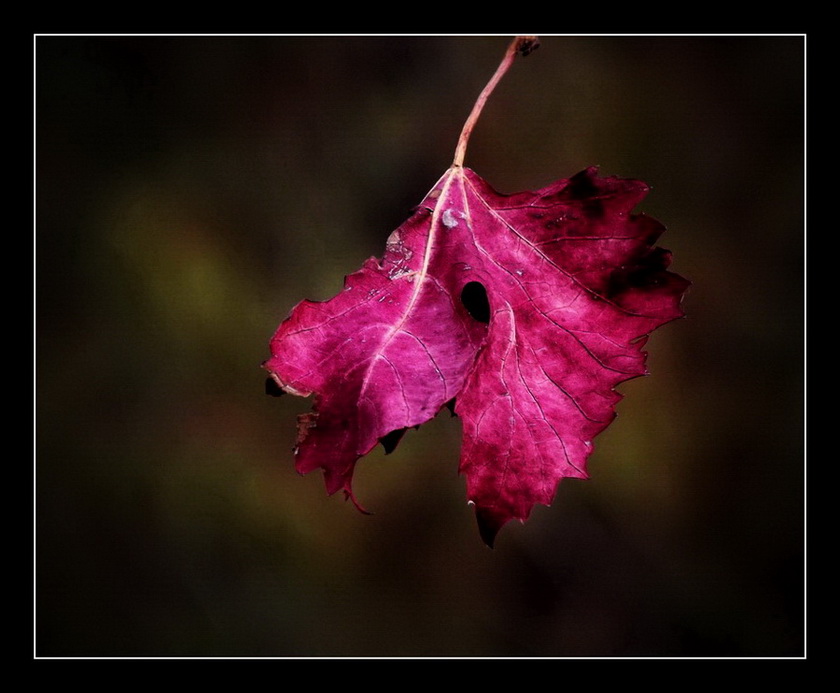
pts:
pixel 521 44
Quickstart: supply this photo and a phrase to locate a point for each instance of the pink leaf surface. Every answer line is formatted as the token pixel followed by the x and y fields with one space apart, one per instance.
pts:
pixel 527 310
pixel 573 285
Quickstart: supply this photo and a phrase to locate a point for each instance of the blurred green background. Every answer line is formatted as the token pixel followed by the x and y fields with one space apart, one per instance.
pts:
pixel 191 190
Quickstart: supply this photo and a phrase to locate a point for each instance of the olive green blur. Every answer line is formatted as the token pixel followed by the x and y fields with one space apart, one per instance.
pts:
pixel 191 190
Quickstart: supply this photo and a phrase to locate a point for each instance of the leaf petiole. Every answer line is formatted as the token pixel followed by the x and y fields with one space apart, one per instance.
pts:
pixel 522 45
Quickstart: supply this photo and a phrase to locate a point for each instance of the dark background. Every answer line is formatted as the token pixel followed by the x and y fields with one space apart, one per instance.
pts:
pixel 190 190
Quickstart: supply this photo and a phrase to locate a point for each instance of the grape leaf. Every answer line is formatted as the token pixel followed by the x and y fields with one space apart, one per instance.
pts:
pixel 526 310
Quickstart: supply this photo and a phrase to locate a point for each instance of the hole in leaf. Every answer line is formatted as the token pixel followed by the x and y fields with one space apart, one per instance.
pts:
pixel 474 298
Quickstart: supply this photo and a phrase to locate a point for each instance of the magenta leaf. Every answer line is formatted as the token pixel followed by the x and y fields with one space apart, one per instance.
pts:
pixel 527 310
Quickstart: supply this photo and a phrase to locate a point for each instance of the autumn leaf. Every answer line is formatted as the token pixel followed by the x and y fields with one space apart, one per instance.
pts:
pixel 526 310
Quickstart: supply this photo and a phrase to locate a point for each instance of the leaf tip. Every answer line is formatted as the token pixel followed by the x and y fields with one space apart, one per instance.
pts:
pixel 489 524
pixel 391 440
pixel 349 495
